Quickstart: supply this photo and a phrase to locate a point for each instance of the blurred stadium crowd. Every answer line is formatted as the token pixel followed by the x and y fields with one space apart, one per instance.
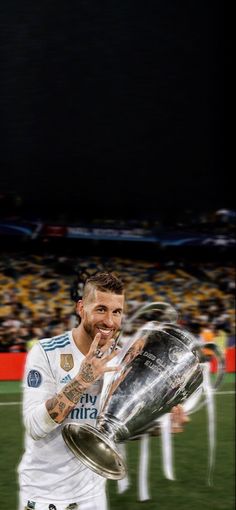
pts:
pixel 38 294
pixel 38 288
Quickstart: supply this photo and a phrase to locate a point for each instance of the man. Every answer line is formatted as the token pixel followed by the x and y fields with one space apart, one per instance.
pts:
pixel 62 384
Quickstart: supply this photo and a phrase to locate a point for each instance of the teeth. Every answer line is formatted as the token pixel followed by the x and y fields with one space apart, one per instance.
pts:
pixel 105 331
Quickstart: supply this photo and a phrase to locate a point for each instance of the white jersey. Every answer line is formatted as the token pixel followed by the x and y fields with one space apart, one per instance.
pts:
pixel 48 468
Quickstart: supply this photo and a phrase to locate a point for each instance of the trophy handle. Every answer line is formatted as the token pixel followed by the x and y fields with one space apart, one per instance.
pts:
pixel 199 398
pixel 163 310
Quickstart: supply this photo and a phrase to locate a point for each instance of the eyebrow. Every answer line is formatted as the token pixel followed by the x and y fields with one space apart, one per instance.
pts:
pixel 106 307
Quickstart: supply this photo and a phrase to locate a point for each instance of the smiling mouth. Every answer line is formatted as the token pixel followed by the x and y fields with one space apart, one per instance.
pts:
pixel 105 332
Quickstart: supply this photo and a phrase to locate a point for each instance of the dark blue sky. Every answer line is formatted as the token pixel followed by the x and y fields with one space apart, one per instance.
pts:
pixel 114 105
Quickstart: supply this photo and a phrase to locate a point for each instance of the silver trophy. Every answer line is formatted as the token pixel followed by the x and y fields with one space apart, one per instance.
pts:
pixel 160 369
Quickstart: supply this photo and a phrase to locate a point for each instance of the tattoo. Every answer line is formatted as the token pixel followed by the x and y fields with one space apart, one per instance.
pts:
pixel 54 416
pixel 67 411
pixel 58 407
pixel 61 406
pixel 51 404
pixel 73 391
pixel 87 373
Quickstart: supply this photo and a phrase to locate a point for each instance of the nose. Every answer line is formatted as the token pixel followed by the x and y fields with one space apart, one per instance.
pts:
pixel 108 320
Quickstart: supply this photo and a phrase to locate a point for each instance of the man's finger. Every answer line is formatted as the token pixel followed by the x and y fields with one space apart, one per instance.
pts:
pixel 107 346
pixel 108 358
pixel 113 369
pixel 183 418
pixel 178 416
pixel 95 343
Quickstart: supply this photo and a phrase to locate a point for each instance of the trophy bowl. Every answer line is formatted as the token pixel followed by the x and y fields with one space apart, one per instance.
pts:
pixel 97 452
pixel 160 369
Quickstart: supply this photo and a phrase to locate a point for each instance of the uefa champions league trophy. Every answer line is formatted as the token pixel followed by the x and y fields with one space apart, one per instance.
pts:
pixel 160 369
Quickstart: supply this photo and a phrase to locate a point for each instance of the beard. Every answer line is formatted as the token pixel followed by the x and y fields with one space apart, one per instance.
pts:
pixel 89 329
pixel 92 330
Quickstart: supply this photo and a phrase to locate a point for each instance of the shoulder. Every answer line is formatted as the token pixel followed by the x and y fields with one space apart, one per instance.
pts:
pixel 56 342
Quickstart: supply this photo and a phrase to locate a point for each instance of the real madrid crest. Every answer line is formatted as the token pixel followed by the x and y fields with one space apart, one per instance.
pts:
pixel 67 362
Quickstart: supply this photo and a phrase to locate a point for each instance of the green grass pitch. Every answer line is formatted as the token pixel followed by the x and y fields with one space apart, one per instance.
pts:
pixel 190 490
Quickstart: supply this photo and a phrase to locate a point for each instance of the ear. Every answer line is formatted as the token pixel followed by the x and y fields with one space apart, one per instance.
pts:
pixel 79 308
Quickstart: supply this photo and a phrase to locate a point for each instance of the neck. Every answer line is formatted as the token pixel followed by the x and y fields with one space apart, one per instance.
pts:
pixel 82 339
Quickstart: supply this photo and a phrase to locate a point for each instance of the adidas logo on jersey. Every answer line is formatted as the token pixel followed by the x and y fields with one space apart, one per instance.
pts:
pixel 66 379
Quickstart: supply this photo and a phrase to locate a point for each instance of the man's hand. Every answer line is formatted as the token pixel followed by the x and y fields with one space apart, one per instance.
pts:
pixel 92 368
pixel 178 419
pixel 96 362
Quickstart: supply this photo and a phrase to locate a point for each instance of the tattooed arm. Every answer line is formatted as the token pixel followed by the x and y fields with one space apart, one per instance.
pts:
pixel 61 404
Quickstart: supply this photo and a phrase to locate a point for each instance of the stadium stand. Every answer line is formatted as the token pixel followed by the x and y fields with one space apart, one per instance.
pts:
pixel 42 278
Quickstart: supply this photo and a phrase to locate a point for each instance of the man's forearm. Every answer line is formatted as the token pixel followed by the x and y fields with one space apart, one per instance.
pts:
pixel 91 369
pixel 60 405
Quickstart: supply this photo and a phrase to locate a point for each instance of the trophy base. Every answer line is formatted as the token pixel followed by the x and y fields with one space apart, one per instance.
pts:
pixel 95 450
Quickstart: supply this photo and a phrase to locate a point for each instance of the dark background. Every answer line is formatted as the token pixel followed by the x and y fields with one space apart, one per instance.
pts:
pixel 113 108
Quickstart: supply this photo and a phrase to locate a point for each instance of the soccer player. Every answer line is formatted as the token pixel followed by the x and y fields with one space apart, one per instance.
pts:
pixel 62 384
